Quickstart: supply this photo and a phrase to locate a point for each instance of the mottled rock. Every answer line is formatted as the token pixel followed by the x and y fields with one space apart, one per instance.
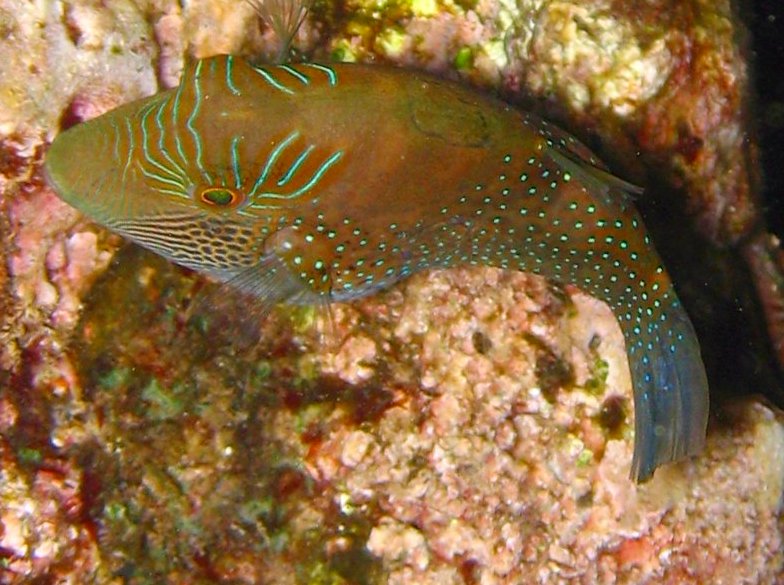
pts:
pixel 470 426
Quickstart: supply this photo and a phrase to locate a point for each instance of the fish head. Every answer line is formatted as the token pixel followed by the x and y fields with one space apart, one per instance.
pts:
pixel 147 171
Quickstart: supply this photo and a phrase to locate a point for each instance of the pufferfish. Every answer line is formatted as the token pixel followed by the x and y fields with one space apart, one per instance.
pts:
pixel 314 183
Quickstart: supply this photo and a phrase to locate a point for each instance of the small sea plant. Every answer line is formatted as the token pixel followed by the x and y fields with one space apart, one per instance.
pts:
pixel 285 17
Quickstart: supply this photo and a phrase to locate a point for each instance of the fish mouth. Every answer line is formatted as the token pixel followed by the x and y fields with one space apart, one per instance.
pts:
pixel 78 179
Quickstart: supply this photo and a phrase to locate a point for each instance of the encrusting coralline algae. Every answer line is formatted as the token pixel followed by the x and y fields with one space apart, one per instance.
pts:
pixel 474 424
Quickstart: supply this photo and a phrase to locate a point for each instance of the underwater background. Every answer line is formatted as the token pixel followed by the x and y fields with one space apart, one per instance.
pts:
pixel 471 425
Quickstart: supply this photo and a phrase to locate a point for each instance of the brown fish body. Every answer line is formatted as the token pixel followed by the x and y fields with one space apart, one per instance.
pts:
pixel 311 182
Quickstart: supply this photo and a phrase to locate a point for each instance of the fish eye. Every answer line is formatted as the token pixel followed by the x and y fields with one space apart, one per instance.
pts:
pixel 223 197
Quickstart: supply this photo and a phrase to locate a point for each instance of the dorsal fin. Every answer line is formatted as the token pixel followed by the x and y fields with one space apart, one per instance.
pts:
pixel 573 156
pixel 284 17
pixel 610 189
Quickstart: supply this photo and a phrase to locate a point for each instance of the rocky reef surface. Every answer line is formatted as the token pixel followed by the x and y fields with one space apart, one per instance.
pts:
pixel 466 426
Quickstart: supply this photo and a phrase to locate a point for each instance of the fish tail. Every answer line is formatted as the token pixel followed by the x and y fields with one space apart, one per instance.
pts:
pixel 670 392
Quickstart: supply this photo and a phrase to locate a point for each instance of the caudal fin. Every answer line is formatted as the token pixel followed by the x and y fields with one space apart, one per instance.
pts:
pixel 670 393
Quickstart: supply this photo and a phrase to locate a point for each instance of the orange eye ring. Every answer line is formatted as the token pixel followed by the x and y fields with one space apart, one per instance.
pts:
pixel 220 197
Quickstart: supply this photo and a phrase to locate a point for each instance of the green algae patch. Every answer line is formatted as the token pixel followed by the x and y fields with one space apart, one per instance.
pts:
pixel 165 403
pixel 28 456
pixel 600 369
pixel 192 470
pixel 464 58
pixel 391 42
pixel 114 378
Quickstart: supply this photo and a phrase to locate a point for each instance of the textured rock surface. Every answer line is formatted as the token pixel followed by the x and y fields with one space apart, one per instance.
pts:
pixel 470 426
